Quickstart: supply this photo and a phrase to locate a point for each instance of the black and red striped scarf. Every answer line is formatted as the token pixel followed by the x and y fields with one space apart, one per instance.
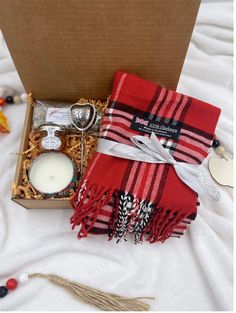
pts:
pixel 119 196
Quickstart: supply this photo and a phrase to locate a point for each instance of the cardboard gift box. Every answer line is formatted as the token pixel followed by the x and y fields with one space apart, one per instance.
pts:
pixel 68 49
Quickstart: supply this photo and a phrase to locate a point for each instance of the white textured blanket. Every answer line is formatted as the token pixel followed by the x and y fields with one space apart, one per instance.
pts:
pixel 191 273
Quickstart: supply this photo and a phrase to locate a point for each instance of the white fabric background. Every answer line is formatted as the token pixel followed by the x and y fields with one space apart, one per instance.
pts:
pixel 192 273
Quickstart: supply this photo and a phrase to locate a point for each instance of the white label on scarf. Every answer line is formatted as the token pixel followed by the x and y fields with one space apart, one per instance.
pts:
pixel 160 126
pixel 60 116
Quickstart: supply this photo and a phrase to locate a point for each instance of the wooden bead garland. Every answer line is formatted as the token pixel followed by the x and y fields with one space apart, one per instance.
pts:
pixel 8 99
pixel 219 149
pixel 13 99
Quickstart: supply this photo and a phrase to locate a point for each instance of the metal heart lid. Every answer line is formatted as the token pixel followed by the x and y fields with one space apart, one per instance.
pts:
pixel 83 116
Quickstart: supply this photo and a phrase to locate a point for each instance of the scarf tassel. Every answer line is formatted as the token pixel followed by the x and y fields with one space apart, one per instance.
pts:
pixel 87 204
pixel 102 300
pixel 129 215
pixel 163 224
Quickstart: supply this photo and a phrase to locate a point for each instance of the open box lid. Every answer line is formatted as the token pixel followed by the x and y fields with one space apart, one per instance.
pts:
pixel 67 49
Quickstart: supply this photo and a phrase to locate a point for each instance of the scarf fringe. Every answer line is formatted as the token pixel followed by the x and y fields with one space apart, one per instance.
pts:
pixel 87 204
pixel 129 215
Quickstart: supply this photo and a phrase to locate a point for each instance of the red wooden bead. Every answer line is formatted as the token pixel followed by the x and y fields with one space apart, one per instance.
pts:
pixel 2 101
pixel 11 284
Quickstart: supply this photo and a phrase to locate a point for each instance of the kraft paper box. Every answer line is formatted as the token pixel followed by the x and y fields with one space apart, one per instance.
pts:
pixel 70 49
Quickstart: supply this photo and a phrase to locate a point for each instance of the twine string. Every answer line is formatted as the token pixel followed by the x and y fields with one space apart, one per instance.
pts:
pixel 103 300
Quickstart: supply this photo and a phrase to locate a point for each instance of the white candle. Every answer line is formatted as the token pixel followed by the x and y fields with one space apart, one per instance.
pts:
pixel 51 172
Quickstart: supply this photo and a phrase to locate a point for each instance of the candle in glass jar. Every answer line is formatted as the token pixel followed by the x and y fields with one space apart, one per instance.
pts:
pixel 51 172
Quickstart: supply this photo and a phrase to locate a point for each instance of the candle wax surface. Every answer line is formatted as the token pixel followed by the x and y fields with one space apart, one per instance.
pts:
pixel 51 172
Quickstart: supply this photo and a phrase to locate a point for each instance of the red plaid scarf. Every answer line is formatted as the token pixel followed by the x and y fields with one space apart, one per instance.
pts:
pixel 118 196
